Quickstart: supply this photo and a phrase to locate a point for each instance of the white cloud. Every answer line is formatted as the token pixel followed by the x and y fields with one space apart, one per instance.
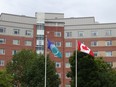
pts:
pixel 102 10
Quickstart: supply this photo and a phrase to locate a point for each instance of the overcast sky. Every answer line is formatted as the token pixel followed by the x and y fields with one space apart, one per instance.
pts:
pixel 102 10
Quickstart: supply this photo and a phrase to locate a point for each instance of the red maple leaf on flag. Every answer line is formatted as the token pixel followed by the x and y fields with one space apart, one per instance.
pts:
pixel 85 47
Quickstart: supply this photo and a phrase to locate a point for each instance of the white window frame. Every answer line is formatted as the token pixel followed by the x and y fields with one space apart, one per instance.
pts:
pixel 94 43
pixel 68 44
pixel 110 63
pixel 58 44
pixel 80 33
pixel 95 54
pixel 28 32
pixel 2 51
pixel 67 85
pixel 108 33
pixel 16 42
pixel 68 34
pixel 2 30
pixel 14 52
pixel 2 41
pixel 57 34
pixel 108 53
pixel 59 74
pixel 94 33
pixel 68 54
pixel 40 26
pixel 16 31
pixel 58 65
pixel 28 43
pixel 67 77
pixel 67 65
pixel 109 43
pixel 2 62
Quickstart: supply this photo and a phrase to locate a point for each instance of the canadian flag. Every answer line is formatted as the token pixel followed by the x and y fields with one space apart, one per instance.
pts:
pixel 84 48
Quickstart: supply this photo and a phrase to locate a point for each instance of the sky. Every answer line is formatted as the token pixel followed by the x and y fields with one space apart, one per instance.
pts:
pixel 104 11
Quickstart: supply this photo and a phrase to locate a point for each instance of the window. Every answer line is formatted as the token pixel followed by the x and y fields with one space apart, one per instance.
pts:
pixel 80 33
pixel 14 52
pixel 28 32
pixel 16 42
pixel 40 37
pixel 68 44
pixel 1 62
pixel 58 44
pixel 58 64
pixel 94 33
pixel 2 41
pixel 67 85
pixel 40 47
pixel 110 63
pixel 108 33
pixel 67 77
pixel 2 30
pixel 108 43
pixel 2 51
pixel 40 26
pixel 68 54
pixel 39 42
pixel 67 65
pixel 59 74
pixel 57 34
pixel 94 43
pixel 28 43
pixel 59 86
pixel 95 53
pixel 109 53
pixel 68 34
pixel 16 31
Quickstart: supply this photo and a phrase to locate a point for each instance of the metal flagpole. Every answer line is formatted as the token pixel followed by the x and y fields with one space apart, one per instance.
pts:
pixel 76 66
pixel 45 59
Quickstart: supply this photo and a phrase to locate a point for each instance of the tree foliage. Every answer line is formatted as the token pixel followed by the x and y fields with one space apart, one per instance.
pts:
pixel 36 73
pixel 27 69
pixel 20 64
pixel 91 72
pixel 5 79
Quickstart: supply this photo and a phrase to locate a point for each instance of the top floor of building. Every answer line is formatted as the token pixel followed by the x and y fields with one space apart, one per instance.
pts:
pixel 72 24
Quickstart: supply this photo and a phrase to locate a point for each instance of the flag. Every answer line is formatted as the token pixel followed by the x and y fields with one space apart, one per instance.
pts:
pixel 54 49
pixel 84 48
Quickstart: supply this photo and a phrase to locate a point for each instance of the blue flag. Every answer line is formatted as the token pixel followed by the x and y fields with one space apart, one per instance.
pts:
pixel 54 49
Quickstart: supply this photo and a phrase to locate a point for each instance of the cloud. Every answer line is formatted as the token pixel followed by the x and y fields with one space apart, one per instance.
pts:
pixel 102 10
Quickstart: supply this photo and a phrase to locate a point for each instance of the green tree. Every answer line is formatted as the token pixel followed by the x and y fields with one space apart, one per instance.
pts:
pixel 91 72
pixel 19 66
pixel 27 69
pixel 5 79
pixel 37 73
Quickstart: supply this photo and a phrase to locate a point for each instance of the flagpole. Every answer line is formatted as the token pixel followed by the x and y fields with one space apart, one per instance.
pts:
pixel 76 66
pixel 45 59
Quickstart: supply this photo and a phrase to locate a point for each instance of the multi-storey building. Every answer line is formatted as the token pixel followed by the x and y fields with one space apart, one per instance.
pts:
pixel 19 32
pixel 16 33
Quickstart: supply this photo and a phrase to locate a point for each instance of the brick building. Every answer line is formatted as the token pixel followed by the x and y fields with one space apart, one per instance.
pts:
pixel 22 32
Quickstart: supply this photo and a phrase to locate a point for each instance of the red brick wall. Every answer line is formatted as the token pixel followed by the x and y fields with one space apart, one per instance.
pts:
pixel 8 46
pixel 54 39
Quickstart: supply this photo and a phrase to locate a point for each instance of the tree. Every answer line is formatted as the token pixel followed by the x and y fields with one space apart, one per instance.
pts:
pixel 19 66
pixel 5 79
pixel 91 72
pixel 37 73
pixel 27 69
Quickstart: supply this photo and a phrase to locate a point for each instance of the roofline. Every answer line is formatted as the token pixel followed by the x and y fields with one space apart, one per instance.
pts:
pixel 50 13
pixel 53 22
pixel 17 15
pixel 72 18
pixel 92 24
